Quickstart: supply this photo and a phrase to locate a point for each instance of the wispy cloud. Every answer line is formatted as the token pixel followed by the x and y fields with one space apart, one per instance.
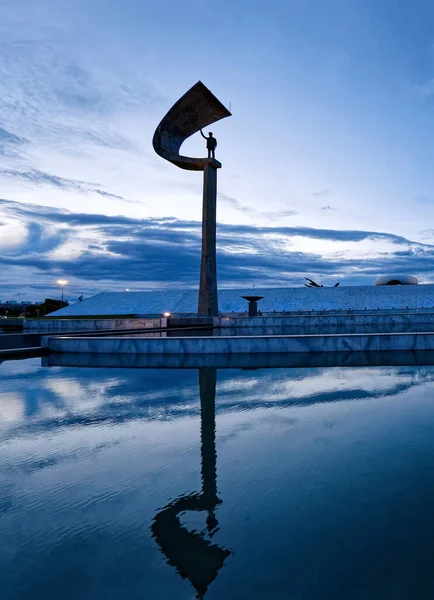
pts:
pixel 36 177
pixel 69 120
pixel 322 193
pixel 237 205
pixel 7 137
pixel 10 144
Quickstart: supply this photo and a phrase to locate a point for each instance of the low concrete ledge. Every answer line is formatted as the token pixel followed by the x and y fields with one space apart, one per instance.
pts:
pixel 379 319
pixel 55 325
pixel 242 361
pixel 249 344
pixel 21 353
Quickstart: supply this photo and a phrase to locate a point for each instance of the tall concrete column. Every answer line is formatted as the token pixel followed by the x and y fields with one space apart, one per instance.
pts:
pixel 208 300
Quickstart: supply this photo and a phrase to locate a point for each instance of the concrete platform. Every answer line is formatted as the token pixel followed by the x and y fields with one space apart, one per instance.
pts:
pixel 358 342
pixel 21 353
pixel 71 325
pixel 11 324
pixel 380 319
pixel 241 361
pixel 12 341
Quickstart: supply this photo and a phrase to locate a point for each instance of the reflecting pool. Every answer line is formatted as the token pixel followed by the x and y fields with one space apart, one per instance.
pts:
pixel 282 483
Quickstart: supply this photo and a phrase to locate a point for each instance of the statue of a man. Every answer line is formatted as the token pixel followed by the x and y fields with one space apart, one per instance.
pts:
pixel 211 143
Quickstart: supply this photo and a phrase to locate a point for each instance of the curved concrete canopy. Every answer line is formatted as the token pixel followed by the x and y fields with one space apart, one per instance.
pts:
pixel 197 109
pixel 396 280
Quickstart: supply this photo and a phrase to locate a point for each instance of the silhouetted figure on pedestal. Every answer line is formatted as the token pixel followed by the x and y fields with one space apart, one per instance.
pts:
pixel 211 143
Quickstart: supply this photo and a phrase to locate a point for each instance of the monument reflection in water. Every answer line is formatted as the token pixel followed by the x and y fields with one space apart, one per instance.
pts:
pixel 192 553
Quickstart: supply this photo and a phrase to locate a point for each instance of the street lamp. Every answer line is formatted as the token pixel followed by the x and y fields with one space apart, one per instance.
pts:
pixel 62 283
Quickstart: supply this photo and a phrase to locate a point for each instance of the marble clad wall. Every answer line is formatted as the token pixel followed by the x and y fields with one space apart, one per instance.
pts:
pixel 253 344
pixel 378 318
pixel 240 360
pixel 71 325
pixel 275 299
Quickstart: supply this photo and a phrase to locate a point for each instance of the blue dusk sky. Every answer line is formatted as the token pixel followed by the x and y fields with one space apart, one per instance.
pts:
pixel 328 159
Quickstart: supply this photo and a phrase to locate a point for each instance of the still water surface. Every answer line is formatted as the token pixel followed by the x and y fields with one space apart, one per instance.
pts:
pixel 299 484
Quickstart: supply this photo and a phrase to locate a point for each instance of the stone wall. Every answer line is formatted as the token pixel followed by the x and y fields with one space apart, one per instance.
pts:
pixel 72 325
pixel 247 345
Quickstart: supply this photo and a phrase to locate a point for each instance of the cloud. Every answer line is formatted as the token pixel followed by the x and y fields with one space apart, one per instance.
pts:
pixel 66 83
pixel 9 143
pixel 39 177
pixel 234 203
pixel 279 214
pixel 322 193
pixel 9 138
pixel 78 114
pixel 36 177
pixel 99 252
pixel 427 235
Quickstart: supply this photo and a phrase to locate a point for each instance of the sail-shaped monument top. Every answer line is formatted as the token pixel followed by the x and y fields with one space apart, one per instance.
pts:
pixel 197 109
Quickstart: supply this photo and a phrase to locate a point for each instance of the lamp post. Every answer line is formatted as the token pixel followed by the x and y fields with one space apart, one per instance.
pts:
pixel 62 283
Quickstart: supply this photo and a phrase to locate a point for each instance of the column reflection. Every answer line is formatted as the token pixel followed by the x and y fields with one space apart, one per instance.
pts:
pixel 192 553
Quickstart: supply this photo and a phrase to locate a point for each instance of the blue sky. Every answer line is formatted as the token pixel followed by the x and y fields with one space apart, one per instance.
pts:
pixel 327 159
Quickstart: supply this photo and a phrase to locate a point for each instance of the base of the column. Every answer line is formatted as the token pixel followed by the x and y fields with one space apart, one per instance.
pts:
pixel 208 300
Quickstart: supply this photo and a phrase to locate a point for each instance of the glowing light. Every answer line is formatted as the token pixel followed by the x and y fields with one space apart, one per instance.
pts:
pixel 167 314
pixel 127 290
pixel 62 283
